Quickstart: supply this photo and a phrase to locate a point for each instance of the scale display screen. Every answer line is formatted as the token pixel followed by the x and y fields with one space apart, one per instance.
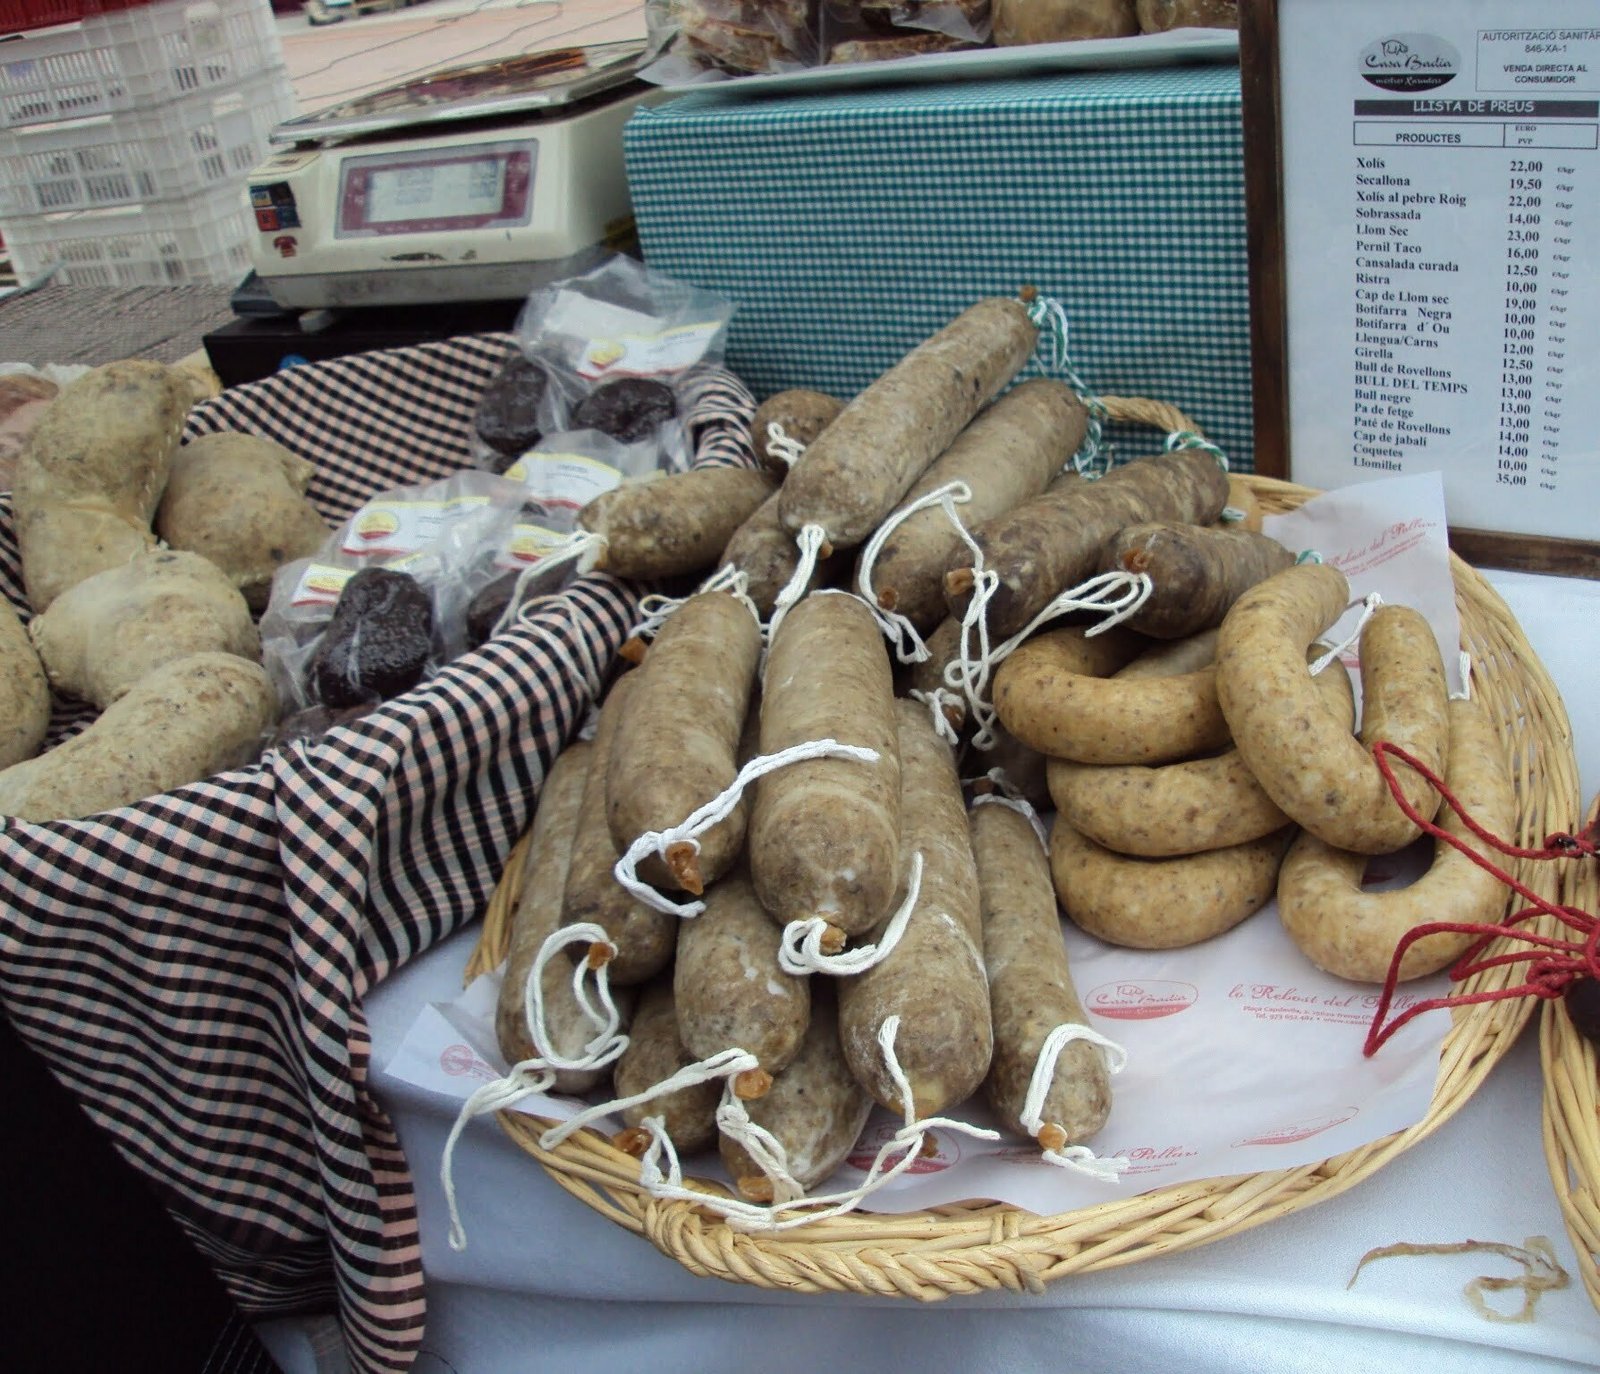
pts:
pixel 478 186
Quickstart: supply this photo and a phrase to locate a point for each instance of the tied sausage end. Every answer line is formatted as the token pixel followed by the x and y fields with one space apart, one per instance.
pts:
pixel 683 862
pixel 752 1084
pixel 1051 1137
pixel 632 1140
pixel 601 953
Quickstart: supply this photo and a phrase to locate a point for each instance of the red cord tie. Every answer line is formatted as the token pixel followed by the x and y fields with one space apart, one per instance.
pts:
pixel 1553 963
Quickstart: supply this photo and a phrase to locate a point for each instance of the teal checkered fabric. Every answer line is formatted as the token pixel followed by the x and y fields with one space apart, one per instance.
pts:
pixel 848 225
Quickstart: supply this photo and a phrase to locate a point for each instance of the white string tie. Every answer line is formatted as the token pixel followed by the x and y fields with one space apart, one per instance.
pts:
pixel 522 1080
pixel 581 547
pixel 800 948
pixel 1008 796
pixel 1465 694
pixel 537 1073
pixel 1368 606
pixel 902 635
pixel 1119 594
pixel 936 701
pixel 766 1151
pixel 655 610
pixel 608 1043
pixel 1232 515
pixel 719 808
pixel 726 1064
pixel 1078 1158
pixel 668 1183
pixel 810 542
pixel 786 450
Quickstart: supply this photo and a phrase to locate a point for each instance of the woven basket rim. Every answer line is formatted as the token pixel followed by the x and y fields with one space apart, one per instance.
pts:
pixel 977 1246
pixel 1570 1108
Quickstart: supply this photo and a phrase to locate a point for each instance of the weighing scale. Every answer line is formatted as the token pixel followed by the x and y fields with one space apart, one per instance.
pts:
pixel 472 183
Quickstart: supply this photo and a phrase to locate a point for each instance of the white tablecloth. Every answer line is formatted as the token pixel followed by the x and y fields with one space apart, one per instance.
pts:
pixel 547 1284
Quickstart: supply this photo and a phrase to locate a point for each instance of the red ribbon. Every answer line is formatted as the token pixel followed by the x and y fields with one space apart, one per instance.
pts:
pixel 1553 963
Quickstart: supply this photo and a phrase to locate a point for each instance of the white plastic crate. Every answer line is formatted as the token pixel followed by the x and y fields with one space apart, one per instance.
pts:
pixel 196 241
pixel 174 150
pixel 134 60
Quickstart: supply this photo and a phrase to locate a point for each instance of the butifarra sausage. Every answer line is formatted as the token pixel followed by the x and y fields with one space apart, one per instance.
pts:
pixel 1052 542
pixel 815 1110
pixel 655 1054
pixel 536 917
pixel 1351 930
pixel 642 937
pixel 1301 754
pixel 1162 903
pixel 674 525
pixel 730 990
pixel 1010 452
pixel 1030 984
pixel 933 979
pixel 824 834
pixel 858 468
pixel 1184 807
pixel 1152 709
pixel 676 746
pixel 1196 572
pixel 800 414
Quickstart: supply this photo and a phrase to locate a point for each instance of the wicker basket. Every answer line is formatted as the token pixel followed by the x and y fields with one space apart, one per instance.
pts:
pixel 970 1247
pixel 1572 1107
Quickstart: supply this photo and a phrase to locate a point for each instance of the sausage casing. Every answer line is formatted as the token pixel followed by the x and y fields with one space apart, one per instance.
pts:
pixel 933 979
pixel 824 834
pixel 1030 981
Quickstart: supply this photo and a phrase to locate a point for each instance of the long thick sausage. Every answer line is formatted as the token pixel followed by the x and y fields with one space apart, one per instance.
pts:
pixel 676 746
pixel 824 834
pixel 730 990
pixel 1009 453
pixel 643 937
pixel 1196 572
pixel 535 919
pixel 857 469
pixel 673 525
pixel 815 1110
pixel 933 979
pixel 1053 542
pixel 654 1054
pixel 1030 984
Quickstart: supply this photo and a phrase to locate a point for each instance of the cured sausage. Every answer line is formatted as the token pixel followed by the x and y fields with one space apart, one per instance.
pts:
pixel 824 834
pixel 857 469
pixel 933 979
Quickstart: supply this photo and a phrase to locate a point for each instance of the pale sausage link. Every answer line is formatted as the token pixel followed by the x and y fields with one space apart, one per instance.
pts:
pixel 1300 753
pixel 1351 931
pixel 1162 903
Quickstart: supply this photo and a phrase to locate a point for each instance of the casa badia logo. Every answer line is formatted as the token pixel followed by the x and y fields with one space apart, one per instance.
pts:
pixel 1410 62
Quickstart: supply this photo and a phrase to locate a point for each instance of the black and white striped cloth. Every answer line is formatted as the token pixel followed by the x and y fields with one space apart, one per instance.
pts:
pixel 192 967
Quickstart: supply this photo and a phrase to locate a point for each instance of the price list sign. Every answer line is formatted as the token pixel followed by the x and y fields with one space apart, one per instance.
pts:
pixel 1425 219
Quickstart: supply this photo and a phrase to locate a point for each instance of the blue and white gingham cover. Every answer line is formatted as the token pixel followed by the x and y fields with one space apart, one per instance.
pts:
pixel 849 225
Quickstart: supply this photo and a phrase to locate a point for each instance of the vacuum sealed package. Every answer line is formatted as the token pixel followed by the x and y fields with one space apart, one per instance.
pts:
pixel 559 476
pixel 507 421
pixel 384 603
pixel 615 346
pixel 878 30
pixel 732 37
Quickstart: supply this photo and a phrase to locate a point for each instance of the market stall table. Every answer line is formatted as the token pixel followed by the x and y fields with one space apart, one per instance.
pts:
pixel 546 1282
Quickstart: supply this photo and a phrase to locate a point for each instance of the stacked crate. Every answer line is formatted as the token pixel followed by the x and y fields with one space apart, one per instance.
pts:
pixel 126 137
